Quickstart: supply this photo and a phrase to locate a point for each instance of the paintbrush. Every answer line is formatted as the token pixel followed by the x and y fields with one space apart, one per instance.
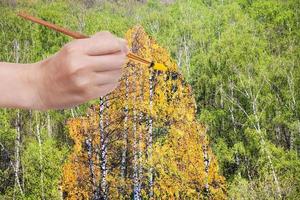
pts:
pixel 76 35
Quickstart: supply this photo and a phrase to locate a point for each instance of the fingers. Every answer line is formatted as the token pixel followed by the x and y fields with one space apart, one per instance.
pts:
pixel 105 89
pixel 108 62
pixel 108 77
pixel 89 68
pixel 102 43
pixel 98 91
pixel 124 45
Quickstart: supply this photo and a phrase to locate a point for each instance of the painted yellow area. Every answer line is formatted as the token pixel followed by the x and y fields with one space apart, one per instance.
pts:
pixel 159 66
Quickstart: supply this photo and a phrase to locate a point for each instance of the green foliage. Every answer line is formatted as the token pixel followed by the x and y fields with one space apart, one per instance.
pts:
pixel 241 58
pixel 51 161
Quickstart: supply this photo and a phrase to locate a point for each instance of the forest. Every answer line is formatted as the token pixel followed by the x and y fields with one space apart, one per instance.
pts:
pixel 223 122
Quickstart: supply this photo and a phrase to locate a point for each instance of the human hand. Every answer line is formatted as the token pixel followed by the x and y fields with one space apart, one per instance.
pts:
pixel 82 70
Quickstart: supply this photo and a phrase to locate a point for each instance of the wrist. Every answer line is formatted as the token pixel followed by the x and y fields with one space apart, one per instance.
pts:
pixel 17 85
pixel 28 86
pixel 32 84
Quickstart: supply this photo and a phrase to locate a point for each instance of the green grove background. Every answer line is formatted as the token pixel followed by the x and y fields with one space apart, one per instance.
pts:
pixel 241 58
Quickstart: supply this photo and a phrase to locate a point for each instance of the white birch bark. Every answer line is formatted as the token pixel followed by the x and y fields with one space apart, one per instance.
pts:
pixel 249 93
pixel 38 135
pixel 263 144
pixel 125 133
pixel 103 153
pixel 136 194
pixel 206 167
pixel 17 185
pixel 150 133
pixel 49 127
pixel 140 138
pixel 89 146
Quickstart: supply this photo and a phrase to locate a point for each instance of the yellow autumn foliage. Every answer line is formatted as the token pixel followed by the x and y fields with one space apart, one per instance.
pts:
pixel 175 151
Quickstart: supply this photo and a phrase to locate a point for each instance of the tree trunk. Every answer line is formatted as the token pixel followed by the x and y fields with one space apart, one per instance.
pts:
pixel 103 153
pixel 263 144
pixel 150 133
pixel 231 109
pixel 49 128
pixel 125 136
pixel 89 146
pixel 38 135
pixel 18 134
pixel 140 139
pixel 136 194
pixel 17 156
pixel 206 164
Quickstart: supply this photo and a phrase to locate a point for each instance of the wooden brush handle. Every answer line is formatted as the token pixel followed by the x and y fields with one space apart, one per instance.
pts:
pixel 73 34
pixel 53 26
